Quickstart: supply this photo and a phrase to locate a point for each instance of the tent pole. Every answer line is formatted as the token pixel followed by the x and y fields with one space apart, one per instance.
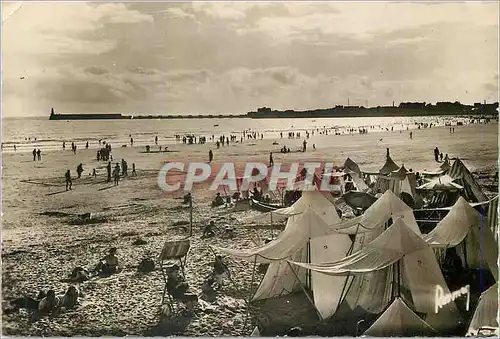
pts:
pixel 399 278
pixel 191 216
pixel 309 282
pixel 305 291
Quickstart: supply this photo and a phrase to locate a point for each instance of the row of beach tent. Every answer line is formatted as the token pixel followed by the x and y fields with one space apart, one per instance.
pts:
pixel 379 261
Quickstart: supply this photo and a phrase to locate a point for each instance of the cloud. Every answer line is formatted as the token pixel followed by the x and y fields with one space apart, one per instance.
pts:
pixel 236 57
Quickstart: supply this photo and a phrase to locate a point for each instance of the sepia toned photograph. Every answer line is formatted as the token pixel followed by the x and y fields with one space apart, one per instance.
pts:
pixel 249 169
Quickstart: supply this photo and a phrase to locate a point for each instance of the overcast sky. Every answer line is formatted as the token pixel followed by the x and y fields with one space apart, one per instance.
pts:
pixel 236 57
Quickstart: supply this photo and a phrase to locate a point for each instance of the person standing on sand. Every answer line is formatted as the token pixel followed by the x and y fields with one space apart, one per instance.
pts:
pixel 134 173
pixel 64 145
pixel 87 145
pixel 68 180
pixel 304 148
pixel 15 149
pixel 411 135
pixel 131 142
pixel 34 154
pixel 39 154
pixel 271 160
pixel 116 174
pixel 210 156
pixel 441 156
pixel 94 174
pixel 108 169
pixel 436 154
pixel 156 140
pixel 79 170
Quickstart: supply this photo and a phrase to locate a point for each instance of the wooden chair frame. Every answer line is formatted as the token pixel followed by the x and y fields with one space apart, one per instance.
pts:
pixel 177 251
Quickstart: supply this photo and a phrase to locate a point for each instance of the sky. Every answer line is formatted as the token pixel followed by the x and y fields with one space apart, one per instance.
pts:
pixel 231 58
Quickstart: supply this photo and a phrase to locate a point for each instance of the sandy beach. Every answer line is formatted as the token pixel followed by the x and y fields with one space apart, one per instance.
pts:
pixel 39 250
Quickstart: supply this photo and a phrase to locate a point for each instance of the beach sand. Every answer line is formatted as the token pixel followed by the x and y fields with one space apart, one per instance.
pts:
pixel 39 251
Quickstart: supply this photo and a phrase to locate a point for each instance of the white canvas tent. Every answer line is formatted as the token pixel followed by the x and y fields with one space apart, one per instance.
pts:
pixel 462 176
pixel 399 321
pixel 313 199
pixel 420 271
pixel 486 314
pixel 357 176
pixel 463 224
pixel 295 243
pixel 386 207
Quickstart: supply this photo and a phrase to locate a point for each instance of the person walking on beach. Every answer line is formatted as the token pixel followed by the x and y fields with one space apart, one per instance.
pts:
pixel 131 142
pixel 94 174
pixel 436 154
pixel 87 145
pixel 134 173
pixel 210 156
pixel 39 154
pixel 411 135
pixel 156 140
pixel 271 160
pixel 34 154
pixel 79 170
pixel 108 168
pixel 68 180
pixel 116 174
pixel 304 148
pixel 64 145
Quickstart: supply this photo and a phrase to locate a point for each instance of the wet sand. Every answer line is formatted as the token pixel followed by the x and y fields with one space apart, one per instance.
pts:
pixel 39 251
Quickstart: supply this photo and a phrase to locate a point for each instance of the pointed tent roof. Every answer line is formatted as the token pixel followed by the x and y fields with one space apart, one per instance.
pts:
pixel 455 226
pixel 399 321
pixel 462 175
pixel 314 199
pixel 298 231
pixel 351 166
pixel 389 166
pixel 389 247
pixel 486 313
pixel 386 207
pixel 400 173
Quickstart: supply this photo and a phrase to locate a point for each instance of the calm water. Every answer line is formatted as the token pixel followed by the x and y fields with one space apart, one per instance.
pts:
pixel 50 134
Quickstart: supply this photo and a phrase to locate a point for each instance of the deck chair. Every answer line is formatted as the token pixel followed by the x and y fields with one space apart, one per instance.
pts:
pixel 173 251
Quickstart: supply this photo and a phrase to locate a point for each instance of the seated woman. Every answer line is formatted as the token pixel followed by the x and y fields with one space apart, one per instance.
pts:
pixel 178 288
pixel 70 298
pixel 218 201
pixel 109 264
pixel 50 303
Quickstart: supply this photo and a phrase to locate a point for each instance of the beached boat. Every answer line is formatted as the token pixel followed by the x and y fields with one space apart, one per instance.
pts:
pixel 263 207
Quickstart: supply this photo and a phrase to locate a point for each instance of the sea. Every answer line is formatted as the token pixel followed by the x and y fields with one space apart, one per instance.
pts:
pixel 42 133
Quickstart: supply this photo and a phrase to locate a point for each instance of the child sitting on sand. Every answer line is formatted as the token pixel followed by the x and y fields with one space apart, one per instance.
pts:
pixel 218 201
pixel 208 230
pixel 220 271
pixel 79 274
pixel 109 264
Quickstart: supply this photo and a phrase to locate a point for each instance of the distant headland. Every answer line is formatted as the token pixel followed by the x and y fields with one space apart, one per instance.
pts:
pixel 404 109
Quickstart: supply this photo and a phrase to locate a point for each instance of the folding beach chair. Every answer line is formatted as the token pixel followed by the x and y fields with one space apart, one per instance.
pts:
pixel 175 251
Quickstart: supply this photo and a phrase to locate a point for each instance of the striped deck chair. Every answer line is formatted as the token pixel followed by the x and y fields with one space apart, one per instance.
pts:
pixel 176 250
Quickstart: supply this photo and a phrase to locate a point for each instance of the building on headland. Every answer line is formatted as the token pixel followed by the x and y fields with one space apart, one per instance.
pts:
pixel 404 109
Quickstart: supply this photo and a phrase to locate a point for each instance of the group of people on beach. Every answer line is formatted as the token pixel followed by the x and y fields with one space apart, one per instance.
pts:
pixel 37 154
pixel 50 303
